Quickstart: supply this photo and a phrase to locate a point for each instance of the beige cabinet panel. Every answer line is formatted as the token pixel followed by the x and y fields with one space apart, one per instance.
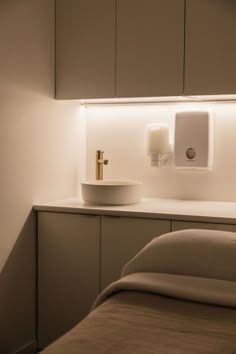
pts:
pixel 210 47
pixel 85 49
pixel 121 239
pixel 68 271
pixel 182 225
pixel 149 48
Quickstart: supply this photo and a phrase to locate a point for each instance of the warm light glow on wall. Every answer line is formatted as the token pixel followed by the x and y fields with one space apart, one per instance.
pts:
pixel 134 110
pixel 119 130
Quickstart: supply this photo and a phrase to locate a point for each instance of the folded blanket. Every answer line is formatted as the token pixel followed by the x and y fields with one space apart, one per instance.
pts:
pixel 201 253
pixel 203 290
pixel 195 265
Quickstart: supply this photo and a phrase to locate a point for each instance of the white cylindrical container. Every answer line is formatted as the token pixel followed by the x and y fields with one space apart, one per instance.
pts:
pixel 157 142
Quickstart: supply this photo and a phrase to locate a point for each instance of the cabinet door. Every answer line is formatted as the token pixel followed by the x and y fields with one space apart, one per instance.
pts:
pixel 210 47
pixel 182 225
pixel 121 239
pixel 149 48
pixel 68 271
pixel 85 48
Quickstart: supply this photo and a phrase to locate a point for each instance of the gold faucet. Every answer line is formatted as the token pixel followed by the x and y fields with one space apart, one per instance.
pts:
pixel 99 164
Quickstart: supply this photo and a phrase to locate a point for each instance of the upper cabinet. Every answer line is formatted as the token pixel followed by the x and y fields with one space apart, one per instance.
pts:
pixel 85 49
pixel 119 48
pixel 145 48
pixel 210 47
pixel 149 48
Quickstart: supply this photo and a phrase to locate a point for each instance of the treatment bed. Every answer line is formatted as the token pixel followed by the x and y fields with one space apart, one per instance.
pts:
pixel 176 296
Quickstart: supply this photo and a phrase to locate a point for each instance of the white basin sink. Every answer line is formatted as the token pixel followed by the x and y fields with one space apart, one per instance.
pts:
pixel 111 192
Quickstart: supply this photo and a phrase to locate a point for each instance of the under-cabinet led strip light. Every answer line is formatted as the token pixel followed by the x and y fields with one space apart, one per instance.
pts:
pixel 166 99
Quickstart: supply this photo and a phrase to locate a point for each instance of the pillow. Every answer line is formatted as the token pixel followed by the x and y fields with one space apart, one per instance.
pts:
pixel 201 253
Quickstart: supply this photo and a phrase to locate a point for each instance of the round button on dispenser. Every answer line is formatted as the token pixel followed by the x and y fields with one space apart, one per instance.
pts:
pixel 190 153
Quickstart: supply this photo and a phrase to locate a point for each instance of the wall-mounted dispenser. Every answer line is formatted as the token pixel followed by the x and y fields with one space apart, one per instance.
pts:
pixel 158 143
pixel 193 142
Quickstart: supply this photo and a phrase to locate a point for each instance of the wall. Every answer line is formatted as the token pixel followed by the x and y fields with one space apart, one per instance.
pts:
pixel 38 154
pixel 120 132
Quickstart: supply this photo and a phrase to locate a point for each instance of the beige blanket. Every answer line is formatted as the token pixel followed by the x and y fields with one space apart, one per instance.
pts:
pixel 205 290
pixel 132 322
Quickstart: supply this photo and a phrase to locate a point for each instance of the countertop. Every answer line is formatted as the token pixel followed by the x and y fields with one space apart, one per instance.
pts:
pixel 171 209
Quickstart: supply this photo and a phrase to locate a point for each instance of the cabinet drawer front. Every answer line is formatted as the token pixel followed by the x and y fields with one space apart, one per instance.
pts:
pixel 121 239
pixel 210 47
pixel 68 271
pixel 85 49
pixel 149 48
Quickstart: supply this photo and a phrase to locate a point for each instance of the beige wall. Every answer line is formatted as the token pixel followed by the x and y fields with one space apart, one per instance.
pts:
pixel 127 153
pixel 38 155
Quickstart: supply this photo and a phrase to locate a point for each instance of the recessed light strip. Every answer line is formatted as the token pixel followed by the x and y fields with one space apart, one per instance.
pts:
pixel 153 100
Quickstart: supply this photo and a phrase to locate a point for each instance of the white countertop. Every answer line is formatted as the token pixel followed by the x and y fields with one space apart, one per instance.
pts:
pixel 188 210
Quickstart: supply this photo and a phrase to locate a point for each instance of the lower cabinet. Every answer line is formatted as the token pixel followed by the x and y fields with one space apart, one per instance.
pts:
pixel 182 225
pixel 68 271
pixel 79 255
pixel 121 239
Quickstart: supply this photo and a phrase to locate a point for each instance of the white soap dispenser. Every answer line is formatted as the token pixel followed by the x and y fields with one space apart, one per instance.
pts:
pixel 158 143
pixel 193 141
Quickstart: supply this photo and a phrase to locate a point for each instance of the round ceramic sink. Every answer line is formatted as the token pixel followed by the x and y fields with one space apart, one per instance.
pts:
pixel 111 192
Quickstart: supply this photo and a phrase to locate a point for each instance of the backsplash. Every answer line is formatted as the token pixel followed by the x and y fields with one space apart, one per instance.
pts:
pixel 119 130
